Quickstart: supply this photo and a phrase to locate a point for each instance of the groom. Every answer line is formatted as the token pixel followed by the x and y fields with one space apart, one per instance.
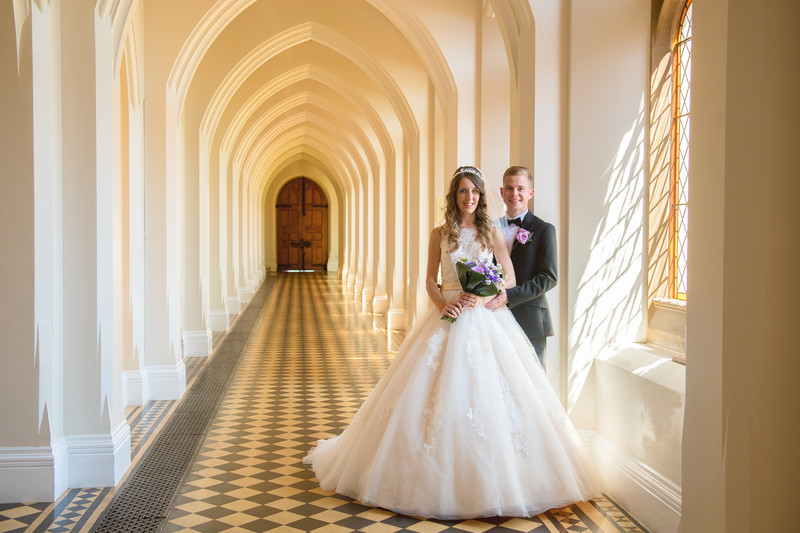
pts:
pixel 532 242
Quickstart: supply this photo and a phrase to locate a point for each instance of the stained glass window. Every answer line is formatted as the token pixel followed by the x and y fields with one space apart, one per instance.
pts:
pixel 682 75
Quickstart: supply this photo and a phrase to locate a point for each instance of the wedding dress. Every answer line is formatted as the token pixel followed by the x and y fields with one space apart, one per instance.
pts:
pixel 463 424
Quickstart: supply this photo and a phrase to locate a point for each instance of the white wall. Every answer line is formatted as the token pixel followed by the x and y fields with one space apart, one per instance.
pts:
pixel 629 397
pixel 608 88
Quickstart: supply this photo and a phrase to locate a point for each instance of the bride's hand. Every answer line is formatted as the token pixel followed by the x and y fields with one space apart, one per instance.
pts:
pixel 470 301
pixel 452 309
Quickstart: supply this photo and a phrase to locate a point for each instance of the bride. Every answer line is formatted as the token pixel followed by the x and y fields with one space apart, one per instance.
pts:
pixel 464 423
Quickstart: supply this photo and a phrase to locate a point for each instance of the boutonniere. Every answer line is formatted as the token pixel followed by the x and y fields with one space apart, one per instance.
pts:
pixel 523 237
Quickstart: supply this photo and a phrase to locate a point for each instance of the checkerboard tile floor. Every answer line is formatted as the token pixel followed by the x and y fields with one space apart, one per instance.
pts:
pixel 78 509
pixel 310 362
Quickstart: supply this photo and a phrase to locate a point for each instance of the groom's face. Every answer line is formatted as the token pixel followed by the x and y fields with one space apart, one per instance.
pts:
pixel 516 192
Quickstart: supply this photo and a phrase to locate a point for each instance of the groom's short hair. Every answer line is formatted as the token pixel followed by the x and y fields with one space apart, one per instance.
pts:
pixel 519 171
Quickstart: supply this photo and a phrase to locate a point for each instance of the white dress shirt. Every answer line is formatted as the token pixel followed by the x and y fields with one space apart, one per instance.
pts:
pixel 510 230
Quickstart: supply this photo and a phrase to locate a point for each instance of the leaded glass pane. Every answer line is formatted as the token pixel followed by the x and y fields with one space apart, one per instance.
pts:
pixel 680 174
pixel 686 26
pixel 682 216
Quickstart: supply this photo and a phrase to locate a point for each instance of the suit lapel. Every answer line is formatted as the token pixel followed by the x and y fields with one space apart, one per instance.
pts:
pixel 527 222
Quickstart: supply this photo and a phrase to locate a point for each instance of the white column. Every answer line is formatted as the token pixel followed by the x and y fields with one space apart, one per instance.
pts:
pixel 417 235
pixel 351 225
pixel 26 457
pixel 380 301
pixel 164 370
pixel 196 336
pixel 214 303
pixel 175 178
pixel 227 242
pixel 494 97
pixel 132 233
pixel 360 235
pixel 247 234
pixel 97 436
pixel 368 292
pixel 396 209
pixel 539 141
pixel 238 237
pixel 138 250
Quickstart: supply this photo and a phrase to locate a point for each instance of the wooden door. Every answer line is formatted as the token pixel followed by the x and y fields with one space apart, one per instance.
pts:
pixel 302 211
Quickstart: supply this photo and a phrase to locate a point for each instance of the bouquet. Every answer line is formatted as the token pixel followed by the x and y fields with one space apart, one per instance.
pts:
pixel 479 278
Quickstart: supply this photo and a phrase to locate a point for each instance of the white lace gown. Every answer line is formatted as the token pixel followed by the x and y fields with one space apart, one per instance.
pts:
pixel 463 424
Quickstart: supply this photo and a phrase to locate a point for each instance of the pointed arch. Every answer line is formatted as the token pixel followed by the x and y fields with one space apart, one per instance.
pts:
pixel 310 31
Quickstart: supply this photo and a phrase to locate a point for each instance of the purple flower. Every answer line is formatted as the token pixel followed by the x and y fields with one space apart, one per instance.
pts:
pixel 523 236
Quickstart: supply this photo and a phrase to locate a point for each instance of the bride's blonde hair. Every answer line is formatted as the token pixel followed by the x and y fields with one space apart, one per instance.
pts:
pixel 452 215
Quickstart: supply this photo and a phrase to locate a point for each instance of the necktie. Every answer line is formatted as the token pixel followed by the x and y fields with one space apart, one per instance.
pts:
pixel 516 221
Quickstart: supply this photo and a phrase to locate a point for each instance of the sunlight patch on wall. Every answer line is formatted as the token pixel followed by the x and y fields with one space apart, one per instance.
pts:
pixel 609 303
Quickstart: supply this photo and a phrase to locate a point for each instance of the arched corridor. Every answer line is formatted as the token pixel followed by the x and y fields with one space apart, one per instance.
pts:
pixel 145 145
pixel 294 369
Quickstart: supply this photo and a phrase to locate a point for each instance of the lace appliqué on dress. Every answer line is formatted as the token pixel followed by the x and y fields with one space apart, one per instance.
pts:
pixel 434 348
pixel 514 414
pixel 477 348
pixel 434 416
pixel 477 422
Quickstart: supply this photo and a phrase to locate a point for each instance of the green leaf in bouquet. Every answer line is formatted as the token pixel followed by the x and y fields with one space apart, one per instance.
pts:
pixel 485 290
pixel 474 281
pixel 476 284
pixel 463 273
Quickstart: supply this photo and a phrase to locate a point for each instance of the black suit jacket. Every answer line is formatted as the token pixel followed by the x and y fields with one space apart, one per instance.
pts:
pixel 536 270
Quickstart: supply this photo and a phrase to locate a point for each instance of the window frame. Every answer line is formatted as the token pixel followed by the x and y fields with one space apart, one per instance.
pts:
pixel 678 243
pixel 665 314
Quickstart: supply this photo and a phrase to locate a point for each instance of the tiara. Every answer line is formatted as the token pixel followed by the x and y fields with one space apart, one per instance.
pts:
pixel 468 170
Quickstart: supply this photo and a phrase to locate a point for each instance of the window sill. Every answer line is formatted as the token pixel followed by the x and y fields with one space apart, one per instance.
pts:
pixel 649 362
pixel 666 326
pixel 670 303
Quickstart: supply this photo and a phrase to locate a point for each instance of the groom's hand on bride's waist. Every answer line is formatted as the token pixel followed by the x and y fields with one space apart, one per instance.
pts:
pixel 498 301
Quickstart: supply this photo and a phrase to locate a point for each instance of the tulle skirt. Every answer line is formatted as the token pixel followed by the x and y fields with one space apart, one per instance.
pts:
pixel 463 424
